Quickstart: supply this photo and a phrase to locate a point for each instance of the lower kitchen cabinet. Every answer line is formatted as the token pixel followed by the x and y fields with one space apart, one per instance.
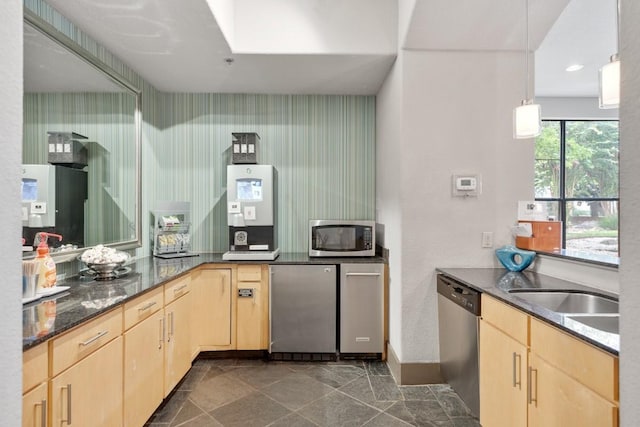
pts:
pixel 211 316
pixel 252 308
pixel 34 407
pixel 503 379
pixel 143 357
pixel 557 381
pixel 177 354
pixel 557 400
pixel 89 393
pixel 35 362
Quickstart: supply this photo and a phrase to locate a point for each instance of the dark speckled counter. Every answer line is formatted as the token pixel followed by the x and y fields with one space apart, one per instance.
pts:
pixel 497 282
pixel 87 298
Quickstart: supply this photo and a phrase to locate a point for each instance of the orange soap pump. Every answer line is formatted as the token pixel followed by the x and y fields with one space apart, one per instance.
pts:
pixel 47 266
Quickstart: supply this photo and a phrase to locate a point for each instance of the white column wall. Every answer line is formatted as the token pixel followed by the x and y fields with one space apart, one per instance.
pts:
pixel 10 175
pixel 629 218
pixel 457 118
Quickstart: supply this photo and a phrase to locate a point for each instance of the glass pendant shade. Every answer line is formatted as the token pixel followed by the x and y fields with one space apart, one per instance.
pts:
pixel 609 77
pixel 526 120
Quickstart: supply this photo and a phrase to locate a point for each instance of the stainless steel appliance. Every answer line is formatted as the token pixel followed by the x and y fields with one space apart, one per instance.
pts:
pixel 303 308
pixel 458 312
pixel 337 238
pixel 251 212
pixel 361 308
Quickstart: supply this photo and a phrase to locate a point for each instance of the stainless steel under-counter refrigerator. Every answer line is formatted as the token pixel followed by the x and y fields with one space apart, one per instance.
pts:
pixel 303 308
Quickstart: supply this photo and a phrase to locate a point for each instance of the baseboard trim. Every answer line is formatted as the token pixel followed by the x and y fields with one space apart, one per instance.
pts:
pixel 412 373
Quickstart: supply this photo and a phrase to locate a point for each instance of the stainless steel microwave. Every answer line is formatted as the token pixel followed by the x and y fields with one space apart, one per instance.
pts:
pixel 335 238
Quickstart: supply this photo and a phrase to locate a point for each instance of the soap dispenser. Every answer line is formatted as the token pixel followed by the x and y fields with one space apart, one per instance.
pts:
pixel 47 266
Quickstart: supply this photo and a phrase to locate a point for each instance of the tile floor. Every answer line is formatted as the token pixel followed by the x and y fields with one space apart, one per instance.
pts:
pixel 249 392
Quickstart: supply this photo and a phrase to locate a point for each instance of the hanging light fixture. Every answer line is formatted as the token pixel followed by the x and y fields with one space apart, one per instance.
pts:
pixel 526 117
pixel 609 75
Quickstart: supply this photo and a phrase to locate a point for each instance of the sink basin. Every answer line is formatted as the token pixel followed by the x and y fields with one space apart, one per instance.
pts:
pixel 604 323
pixel 569 302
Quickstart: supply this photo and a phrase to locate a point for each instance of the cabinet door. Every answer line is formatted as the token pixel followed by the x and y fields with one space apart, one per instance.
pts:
pixel 89 393
pixel 177 356
pixel 34 407
pixel 503 379
pixel 211 314
pixel 143 369
pixel 252 330
pixel 558 400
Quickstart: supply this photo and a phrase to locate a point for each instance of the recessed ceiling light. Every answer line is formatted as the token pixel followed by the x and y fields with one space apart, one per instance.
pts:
pixel 574 67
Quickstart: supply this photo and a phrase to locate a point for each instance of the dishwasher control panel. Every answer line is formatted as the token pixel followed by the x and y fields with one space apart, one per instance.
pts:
pixel 460 294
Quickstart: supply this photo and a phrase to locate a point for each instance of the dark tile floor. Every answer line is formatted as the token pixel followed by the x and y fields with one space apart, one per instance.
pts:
pixel 245 392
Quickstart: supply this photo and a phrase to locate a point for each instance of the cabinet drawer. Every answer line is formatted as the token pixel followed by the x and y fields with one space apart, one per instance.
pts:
pixel 587 364
pixel 509 320
pixel 35 363
pixel 140 308
pixel 249 273
pixel 75 345
pixel 176 288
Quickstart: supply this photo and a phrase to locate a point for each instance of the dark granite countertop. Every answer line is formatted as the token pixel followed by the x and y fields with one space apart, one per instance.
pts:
pixel 497 282
pixel 87 298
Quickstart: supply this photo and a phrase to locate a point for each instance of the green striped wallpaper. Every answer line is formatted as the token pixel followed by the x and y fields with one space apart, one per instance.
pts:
pixel 322 146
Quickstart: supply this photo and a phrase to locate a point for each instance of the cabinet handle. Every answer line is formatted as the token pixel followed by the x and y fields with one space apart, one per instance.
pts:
pixel 530 386
pixel 97 337
pixel 175 291
pixel 43 412
pixel 148 306
pixel 517 379
pixel 161 333
pixel 363 274
pixel 68 420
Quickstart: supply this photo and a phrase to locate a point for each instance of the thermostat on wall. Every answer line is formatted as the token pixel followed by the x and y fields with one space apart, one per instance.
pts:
pixel 466 185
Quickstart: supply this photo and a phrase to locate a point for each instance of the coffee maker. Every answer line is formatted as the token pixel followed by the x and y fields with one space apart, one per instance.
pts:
pixel 251 212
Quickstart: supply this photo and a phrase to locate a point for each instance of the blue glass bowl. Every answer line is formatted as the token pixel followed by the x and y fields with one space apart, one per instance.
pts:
pixel 514 259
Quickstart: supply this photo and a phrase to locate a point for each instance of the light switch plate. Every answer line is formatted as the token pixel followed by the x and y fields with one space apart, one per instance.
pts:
pixel 38 208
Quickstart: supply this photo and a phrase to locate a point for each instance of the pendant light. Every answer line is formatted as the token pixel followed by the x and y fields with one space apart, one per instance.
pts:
pixel 609 75
pixel 526 117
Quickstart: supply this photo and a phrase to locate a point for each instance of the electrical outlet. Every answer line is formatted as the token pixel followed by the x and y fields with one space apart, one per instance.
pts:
pixel 487 239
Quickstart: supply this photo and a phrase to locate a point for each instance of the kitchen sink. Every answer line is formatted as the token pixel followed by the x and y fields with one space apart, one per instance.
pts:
pixel 568 302
pixel 607 323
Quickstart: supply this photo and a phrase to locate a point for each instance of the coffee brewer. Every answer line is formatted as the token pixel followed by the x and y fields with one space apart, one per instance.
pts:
pixel 251 212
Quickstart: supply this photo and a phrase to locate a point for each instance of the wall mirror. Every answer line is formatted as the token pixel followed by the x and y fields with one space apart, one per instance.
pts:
pixel 75 108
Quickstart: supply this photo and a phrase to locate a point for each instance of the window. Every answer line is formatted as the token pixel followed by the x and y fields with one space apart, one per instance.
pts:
pixel 576 175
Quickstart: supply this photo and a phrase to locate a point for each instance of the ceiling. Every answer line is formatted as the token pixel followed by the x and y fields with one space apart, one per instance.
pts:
pixel 179 46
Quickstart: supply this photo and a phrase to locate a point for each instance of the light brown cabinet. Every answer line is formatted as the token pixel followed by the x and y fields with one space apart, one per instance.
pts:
pixel 143 357
pixel 34 407
pixel 90 392
pixel 252 315
pixel 535 375
pixel 177 352
pixel 34 386
pixel 211 316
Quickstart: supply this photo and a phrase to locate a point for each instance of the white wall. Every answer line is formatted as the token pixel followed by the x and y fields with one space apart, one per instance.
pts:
pixel 452 114
pixel 574 108
pixel 10 144
pixel 389 169
pixel 629 218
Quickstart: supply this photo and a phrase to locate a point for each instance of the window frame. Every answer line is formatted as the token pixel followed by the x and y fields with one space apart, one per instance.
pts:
pixel 562 200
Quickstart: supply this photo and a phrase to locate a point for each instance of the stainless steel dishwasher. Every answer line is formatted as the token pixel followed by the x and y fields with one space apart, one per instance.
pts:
pixel 458 312
pixel 303 309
